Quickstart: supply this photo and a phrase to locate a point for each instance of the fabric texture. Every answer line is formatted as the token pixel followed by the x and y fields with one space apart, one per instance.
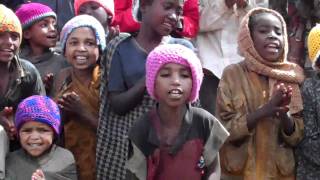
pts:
pixel 173 53
pixel 200 137
pixel 27 83
pixel 108 5
pixel 79 138
pixel 83 21
pixel 314 45
pixel 58 163
pixel 31 13
pixel 280 70
pixel 307 152
pixel 9 22
pixel 40 109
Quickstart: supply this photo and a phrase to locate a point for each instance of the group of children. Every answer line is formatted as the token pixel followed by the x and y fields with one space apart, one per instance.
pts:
pixel 123 107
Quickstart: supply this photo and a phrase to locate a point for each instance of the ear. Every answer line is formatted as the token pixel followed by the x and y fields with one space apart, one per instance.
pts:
pixel 26 34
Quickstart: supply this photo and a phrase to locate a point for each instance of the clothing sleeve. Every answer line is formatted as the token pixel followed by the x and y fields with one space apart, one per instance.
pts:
pixel 34 85
pixel 38 87
pixel 190 19
pixel 124 16
pixel 230 107
pixel 68 173
pixel 116 77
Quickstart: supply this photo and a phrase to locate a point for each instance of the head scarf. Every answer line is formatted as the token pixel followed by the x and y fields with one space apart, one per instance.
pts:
pixel 281 70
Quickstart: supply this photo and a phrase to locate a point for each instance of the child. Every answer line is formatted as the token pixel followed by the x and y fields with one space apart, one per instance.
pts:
pixel 83 41
pixel 307 152
pixel 38 123
pixel 259 102
pixel 174 137
pixel 123 96
pixel 40 34
pixel 19 78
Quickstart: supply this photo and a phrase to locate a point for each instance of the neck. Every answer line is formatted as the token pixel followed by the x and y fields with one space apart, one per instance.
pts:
pixel 148 39
pixel 37 50
pixel 84 76
pixel 171 117
pixel 4 67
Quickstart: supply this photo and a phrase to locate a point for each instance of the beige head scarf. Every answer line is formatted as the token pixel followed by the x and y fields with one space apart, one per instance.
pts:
pixel 281 70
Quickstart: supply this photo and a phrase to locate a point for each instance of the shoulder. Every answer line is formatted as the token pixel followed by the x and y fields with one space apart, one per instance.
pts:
pixel 140 128
pixel 15 157
pixel 63 154
pixel 27 65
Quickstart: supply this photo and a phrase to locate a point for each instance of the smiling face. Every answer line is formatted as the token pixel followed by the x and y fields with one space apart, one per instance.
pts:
pixel 43 33
pixel 36 138
pixel 82 51
pixel 96 10
pixel 162 15
pixel 173 84
pixel 9 44
pixel 267 35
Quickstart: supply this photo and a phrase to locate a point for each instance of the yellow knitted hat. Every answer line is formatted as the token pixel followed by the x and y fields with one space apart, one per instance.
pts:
pixel 9 22
pixel 314 44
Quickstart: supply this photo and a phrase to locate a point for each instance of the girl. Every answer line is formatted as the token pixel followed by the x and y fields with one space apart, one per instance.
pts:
pixel 307 152
pixel 38 123
pixel 123 96
pixel 174 137
pixel 40 35
pixel 259 102
pixel 83 41
pixel 19 78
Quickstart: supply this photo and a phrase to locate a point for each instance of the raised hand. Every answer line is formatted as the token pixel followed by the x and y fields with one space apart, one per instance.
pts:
pixel 6 120
pixel 38 175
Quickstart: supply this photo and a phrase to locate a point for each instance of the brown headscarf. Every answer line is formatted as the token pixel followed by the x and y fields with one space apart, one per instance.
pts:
pixel 281 70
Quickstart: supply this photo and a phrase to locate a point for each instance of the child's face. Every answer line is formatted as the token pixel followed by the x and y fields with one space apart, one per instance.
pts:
pixel 9 44
pixel 36 138
pixel 95 10
pixel 173 84
pixel 82 51
pixel 163 15
pixel 267 36
pixel 43 33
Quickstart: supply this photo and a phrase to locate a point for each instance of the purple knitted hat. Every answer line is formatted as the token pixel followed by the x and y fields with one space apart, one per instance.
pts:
pixel 173 53
pixel 31 13
pixel 40 109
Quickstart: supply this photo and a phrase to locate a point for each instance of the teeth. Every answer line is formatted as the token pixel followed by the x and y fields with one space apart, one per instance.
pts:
pixel 81 58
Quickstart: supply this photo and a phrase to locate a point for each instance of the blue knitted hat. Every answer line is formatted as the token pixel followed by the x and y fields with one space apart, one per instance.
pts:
pixel 40 109
pixel 83 21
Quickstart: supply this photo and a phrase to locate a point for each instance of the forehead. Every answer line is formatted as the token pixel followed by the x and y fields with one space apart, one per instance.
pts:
pixel 175 66
pixel 269 19
pixel 90 3
pixel 179 2
pixel 82 32
pixel 35 124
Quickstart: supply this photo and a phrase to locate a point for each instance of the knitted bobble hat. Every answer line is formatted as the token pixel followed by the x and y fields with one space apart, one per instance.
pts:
pixel 40 109
pixel 173 53
pixel 314 45
pixel 9 22
pixel 83 21
pixel 31 13
pixel 108 6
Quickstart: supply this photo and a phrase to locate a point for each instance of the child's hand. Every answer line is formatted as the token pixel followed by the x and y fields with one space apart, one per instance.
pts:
pixel 6 120
pixel 280 99
pixel 38 175
pixel 48 82
pixel 70 102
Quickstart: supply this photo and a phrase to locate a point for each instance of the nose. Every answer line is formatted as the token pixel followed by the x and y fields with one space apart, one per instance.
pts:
pixel 81 47
pixel 34 135
pixel 175 80
pixel 272 35
pixel 52 27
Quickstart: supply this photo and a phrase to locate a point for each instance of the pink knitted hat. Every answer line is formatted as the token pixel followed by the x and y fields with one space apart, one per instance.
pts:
pixel 108 5
pixel 173 53
pixel 31 13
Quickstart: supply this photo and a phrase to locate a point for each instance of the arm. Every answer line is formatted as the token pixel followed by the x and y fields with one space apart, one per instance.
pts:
pixel 123 102
pixel 123 16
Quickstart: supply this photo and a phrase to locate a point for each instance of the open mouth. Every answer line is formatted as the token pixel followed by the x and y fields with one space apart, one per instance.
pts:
pixel 272 47
pixel 81 59
pixel 175 93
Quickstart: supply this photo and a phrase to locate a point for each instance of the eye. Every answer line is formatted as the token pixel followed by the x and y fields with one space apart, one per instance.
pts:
pixel 91 43
pixel 26 130
pixel 73 43
pixel 14 36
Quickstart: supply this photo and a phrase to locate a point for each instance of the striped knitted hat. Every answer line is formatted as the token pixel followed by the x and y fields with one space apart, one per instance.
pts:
pixel 108 6
pixel 9 21
pixel 40 109
pixel 314 45
pixel 83 21
pixel 173 53
pixel 31 13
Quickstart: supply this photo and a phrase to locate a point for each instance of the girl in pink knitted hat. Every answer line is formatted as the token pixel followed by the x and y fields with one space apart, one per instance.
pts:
pixel 40 35
pixel 175 140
